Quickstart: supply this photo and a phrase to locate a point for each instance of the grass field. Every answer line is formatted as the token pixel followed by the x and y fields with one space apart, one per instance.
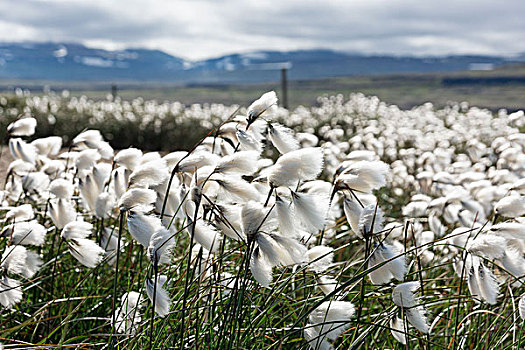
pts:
pixel 404 90
pixel 352 224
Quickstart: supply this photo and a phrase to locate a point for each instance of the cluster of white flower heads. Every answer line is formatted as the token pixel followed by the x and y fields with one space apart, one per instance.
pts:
pixel 264 182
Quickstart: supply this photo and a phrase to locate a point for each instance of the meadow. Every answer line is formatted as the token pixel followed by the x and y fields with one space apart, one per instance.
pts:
pixel 501 88
pixel 351 224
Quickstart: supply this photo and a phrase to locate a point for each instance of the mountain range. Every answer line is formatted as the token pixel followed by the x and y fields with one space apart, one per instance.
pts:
pixel 76 62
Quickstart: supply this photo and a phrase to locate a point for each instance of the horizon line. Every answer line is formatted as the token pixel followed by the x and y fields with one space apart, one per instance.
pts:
pixel 262 50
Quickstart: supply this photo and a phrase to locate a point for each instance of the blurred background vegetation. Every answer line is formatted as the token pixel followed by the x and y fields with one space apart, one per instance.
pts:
pixel 502 87
pixel 148 117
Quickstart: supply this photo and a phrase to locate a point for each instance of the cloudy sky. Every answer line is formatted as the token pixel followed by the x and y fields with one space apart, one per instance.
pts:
pixel 198 29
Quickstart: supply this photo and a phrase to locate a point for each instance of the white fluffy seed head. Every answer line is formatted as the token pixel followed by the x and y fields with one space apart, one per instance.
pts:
pixel 149 174
pixel 206 235
pixel 89 192
pixel 482 283
pixel 21 150
pixel 19 260
pixel 352 211
pixel 249 142
pixel 120 181
pixel 252 218
pixel 197 160
pixel 76 229
pixel 62 212
pixel 397 327
pixel 88 139
pixel 327 284
pixel 293 167
pixel 511 230
pixel 48 146
pixel 162 298
pixel 310 209
pixel 54 167
pixel 241 163
pixel 264 105
pixel 20 167
pixel 87 252
pixel 286 217
pixel 149 157
pixel 101 174
pixel 370 221
pixel 487 245
pixel 61 188
pixel 127 316
pixel 260 267
pixel 10 292
pixel 109 241
pixel 86 159
pixel 92 139
pixel 320 258
pixel 26 233
pixel 395 268
pixel 229 221
pixel 487 284
pixel 281 250
pixel 510 206
pixel 35 182
pixel 21 213
pixel 141 226
pixel 22 127
pixel 436 226
pixel 160 245
pixel 173 158
pixel 235 189
pixel 514 262
pixel 364 176
pixel 137 199
pixel 13 259
pixel 315 340
pixel 416 317
pixel 104 205
pixel 332 317
pixel 470 267
pixel 129 158
pixel 403 294
pixel 282 138
pixel 105 150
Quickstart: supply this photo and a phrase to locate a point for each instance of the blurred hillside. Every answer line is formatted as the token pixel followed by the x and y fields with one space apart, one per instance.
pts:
pixel 71 62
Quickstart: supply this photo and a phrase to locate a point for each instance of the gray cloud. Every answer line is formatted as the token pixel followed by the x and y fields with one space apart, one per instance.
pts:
pixel 200 28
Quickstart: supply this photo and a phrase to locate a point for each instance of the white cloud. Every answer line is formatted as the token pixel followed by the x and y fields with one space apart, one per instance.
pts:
pixel 197 29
